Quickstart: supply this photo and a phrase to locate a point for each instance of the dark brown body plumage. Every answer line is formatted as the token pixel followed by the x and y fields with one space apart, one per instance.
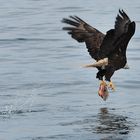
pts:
pixel 113 45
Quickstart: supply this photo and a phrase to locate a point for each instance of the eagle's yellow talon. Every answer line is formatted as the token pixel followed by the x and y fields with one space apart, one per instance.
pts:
pixel 111 86
pixel 103 83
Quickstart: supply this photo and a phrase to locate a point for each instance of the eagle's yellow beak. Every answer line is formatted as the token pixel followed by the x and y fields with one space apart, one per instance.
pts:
pixel 103 92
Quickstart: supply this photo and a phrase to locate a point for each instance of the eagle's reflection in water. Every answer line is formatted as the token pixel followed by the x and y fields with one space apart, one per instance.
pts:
pixel 111 126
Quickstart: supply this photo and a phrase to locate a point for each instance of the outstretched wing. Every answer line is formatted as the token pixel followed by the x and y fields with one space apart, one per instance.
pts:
pixel 121 24
pixel 119 36
pixel 83 32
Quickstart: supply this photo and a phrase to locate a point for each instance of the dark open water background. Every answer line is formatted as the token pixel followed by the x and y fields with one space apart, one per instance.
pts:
pixel 45 94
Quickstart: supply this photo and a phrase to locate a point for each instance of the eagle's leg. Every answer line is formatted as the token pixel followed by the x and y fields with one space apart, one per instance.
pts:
pixel 111 85
pixel 102 82
pixel 109 72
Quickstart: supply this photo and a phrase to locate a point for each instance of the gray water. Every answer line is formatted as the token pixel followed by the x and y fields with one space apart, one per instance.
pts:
pixel 45 94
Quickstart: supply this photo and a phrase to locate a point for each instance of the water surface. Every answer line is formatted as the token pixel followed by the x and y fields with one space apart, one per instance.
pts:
pixel 45 94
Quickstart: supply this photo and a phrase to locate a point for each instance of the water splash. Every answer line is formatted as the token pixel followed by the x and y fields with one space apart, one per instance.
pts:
pixel 19 106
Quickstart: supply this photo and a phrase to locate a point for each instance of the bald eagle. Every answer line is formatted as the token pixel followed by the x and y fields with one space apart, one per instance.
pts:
pixel 109 50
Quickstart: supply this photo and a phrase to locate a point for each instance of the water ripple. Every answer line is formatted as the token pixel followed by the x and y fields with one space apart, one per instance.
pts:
pixel 30 39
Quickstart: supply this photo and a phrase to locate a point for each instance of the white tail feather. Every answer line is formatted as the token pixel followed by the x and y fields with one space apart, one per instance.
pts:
pixel 100 63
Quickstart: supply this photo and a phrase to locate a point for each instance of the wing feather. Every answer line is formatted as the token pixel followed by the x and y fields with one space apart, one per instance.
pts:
pixel 83 32
pixel 122 23
pixel 119 36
